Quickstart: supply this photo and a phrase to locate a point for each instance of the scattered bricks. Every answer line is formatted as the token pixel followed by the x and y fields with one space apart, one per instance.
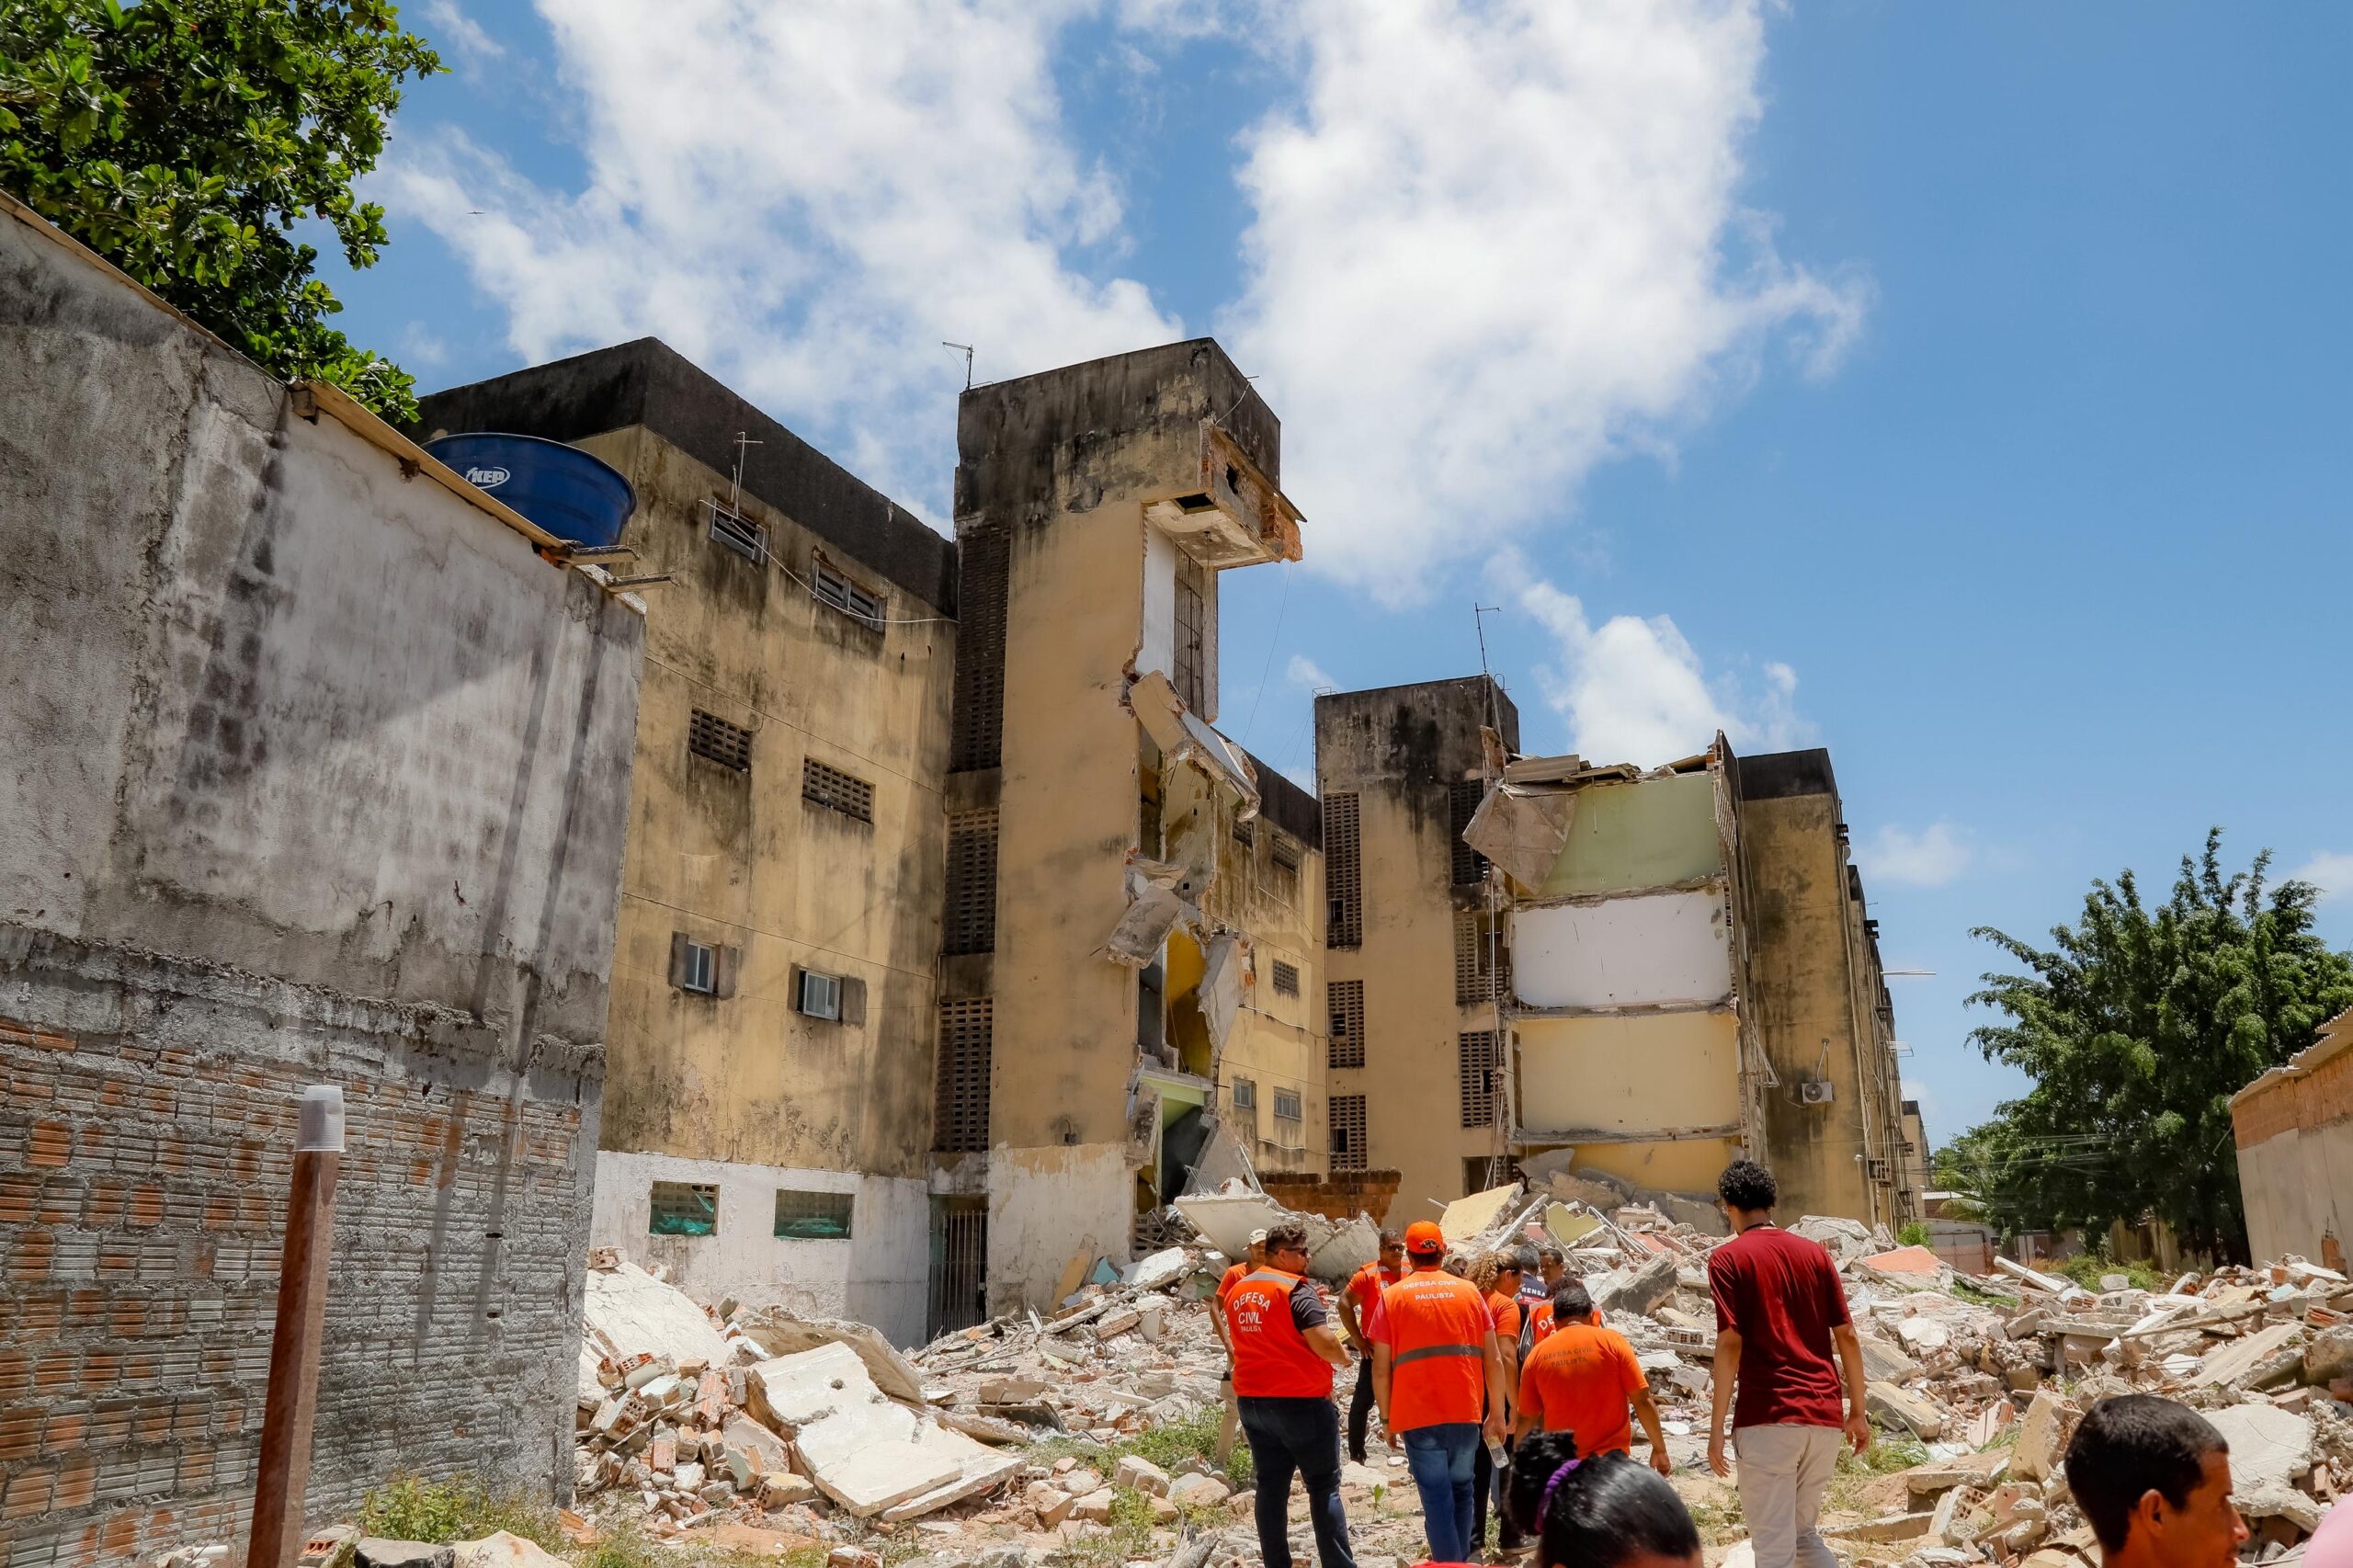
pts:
pixel 662 1454
pixel 688 1477
pixel 852 1557
pixel 782 1489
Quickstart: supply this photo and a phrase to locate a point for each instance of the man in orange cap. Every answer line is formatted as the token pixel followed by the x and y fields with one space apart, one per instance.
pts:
pixel 1437 1370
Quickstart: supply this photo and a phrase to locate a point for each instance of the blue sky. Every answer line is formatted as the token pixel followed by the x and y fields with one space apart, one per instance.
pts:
pixel 1963 389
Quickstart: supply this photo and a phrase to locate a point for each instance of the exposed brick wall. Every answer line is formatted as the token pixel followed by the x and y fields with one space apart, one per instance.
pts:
pixel 1339 1196
pixel 2303 1100
pixel 146 1133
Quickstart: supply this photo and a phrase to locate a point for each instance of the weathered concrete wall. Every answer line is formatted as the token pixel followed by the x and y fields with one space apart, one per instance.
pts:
pixel 876 1276
pixel 1651 833
pixel 1814 994
pixel 1396 752
pixel 1624 1075
pixel 2294 1129
pixel 312 773
pixel 1279 1041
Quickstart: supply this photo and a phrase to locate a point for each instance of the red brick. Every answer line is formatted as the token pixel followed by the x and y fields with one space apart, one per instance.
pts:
pixel 51 1144
pixel 29 1259
pixel 28 1493
pixel 77 1483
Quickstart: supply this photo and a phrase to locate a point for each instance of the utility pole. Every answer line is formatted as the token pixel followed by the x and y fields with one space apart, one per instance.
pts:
pixel 284 1473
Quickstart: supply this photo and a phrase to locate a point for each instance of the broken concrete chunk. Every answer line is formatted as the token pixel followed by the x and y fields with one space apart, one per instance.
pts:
pixel 1895 1407
pixel 1157 1269
pixel 2269 1450
pixel 374 1552
pixel 782 1333
pixel 781 1489
pixel 1207 1491
pixel 502 1549
pixel 2231 1365
pixel 1095 1508
pixel 2042 1438
pixel 2329 1356
pixel 1135 1471
pixel 1844 1240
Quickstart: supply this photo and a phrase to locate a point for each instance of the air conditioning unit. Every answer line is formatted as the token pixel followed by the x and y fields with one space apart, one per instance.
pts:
pixel 1819 1092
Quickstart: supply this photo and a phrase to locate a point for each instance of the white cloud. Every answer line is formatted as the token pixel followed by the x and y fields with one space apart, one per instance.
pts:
pixel 2331 871
pixel 1929 858
pixel 1497 241
pixel 421 347
pixel 1305 672
pixel 458 38
pixel 805 200
pixel 1633 689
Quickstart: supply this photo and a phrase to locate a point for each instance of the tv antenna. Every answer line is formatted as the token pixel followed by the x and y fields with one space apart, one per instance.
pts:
pixel 965 349
pixel 736 485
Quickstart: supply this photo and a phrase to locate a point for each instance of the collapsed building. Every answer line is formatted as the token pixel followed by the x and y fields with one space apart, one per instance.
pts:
pixel 316 770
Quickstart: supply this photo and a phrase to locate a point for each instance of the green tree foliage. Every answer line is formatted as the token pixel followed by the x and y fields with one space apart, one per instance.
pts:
pixel 2137 1026
pixel 182 140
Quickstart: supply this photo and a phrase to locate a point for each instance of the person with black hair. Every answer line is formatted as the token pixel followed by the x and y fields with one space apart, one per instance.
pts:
pixel 1783 1340
pixel 1581 1380
pixel 1604 1512
pixel 2153 1477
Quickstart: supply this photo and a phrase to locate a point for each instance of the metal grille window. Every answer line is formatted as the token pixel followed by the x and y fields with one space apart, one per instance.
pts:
pixel 960 1109
pixel 836 790
pixel 843 595
pixel 959 1245
pixel 1282 870
pixel 1245 833
pixel 976 723
pixel 1285 979
pixel 683 1209
pixel 738 533
pixel 813 1216
pixel 1347 1133
pixel 1475 1063
pixel 970 925
pixel 1343 882
pixel 1344 999
pixel 1480 963
pixel 1191 677
pixel 1286 1104
pixel 713 738
pixel 1462 798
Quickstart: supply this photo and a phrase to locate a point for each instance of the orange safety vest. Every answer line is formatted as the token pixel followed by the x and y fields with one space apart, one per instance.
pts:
pixel 1540 1323
pixel 1271 1358
pixel 1437 1334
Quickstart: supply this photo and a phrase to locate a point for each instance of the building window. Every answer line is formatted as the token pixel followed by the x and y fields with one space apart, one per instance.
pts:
pixel 1342 882
pixel 1347 1133
pixel 960 1101
pixel 1479 963
pixel 706 969
pixel 1191 677
pixel 1286 1104
pixel 1245 1095
pixel 971 926
pixel 837 998
pixel 1344 999
pixel 1479 1174
pixel 683 1209
pixel 1462 798
pixel 714 739
pixel 976 717
pixel 843 595
pixel 813 1216
pixel 1476 1065
pixel 1245 834
pixel 836 790
pixel 1285 979
pixel 739 533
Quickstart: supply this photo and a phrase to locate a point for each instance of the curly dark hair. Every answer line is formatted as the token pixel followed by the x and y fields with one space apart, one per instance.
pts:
pixel 1747 1185
pixel 1605 1512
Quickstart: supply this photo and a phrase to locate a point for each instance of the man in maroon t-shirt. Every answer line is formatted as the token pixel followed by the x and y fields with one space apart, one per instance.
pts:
pixel 1780 1311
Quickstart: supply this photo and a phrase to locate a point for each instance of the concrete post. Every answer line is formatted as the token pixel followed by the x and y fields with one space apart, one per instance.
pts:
pixel 285 1467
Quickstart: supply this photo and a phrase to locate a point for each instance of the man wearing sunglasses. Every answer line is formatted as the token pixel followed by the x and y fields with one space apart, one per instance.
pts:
pixel 1284 1351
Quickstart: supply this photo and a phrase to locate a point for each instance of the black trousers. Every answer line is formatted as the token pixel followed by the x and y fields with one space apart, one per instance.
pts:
pixel 1487 1481
pixel 1301 1434
pixel 1360 1409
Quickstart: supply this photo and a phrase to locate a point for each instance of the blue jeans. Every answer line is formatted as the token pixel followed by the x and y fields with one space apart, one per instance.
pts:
pixel 1301 1434
pixel 1441 1460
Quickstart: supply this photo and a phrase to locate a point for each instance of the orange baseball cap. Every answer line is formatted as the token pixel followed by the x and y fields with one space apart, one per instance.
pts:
pixel 1424 1237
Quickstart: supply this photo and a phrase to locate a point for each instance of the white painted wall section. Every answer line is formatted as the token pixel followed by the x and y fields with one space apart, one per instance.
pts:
pixel 1157 648
pixel 1045 1205
pixel 1630 1075
pixel 1648 950
pixel 879 1276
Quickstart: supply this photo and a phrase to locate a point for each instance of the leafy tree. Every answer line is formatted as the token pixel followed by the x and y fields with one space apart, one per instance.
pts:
pixel 2137 1027
pixel 182 140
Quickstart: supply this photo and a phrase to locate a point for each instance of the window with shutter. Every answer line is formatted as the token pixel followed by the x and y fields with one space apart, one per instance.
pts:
pixel 960 1104
pixel 1344 999
pixel 1347 1133
pixel 1343 882
pixel 836 790
pixel 1476 1066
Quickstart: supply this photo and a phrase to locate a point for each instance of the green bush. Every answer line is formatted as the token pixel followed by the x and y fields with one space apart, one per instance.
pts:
pixel 409 1507
pixel 1914 1234
pixel 2085 1270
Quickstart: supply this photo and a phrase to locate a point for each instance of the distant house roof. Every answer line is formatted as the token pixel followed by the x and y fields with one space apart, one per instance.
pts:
pixel 648 383
pixel 1288 806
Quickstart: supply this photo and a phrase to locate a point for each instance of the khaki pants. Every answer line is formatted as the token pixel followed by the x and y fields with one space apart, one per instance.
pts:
pixel 1231 1427
pixel 1783 1474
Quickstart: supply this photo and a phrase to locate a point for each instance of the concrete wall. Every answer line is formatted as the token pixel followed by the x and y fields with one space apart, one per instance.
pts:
pixel 876 1276
pixel 1650 833
pixel 1641 950
pixel 312 772
pixel 1277 1041
pixel 1815 995
pixel 2294 1132
pixel 1396 751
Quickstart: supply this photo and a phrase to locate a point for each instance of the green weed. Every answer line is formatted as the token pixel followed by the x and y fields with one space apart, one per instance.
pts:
pixel 409 1507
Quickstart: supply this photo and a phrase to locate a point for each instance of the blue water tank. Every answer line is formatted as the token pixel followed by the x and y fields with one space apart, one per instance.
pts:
pixel 572 494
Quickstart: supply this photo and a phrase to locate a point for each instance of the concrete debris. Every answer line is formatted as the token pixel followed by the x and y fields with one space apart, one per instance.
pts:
pixel 376 1552
pixel 502 1549
pixel 2270 1451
